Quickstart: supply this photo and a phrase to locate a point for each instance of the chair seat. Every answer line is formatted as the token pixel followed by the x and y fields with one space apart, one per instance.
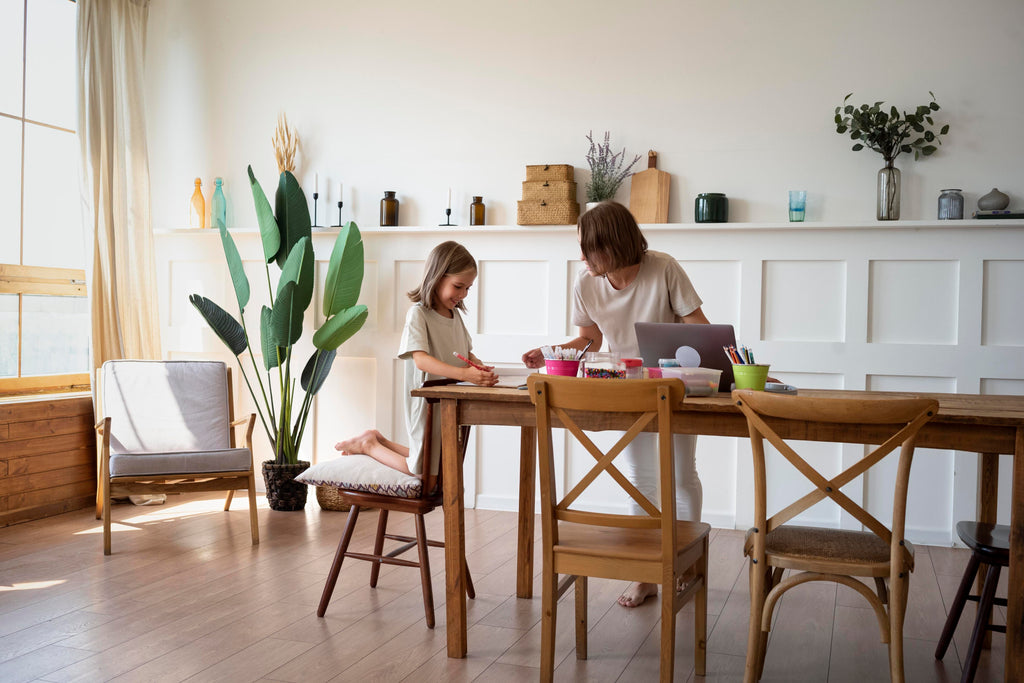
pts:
pixel 617 543
pixel 170 464
pixel 797 546
pixel 990 541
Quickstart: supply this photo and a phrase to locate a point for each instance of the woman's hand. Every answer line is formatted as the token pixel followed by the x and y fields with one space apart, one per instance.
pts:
pixel 533 358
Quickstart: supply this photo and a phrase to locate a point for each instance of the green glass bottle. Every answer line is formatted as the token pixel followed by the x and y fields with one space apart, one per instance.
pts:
pixel 218 207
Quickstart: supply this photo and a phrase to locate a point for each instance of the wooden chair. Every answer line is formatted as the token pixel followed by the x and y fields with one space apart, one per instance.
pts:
pixel 652 548
pixel 990 545
pixel 168 427
pixel 428 498
pixel 835 555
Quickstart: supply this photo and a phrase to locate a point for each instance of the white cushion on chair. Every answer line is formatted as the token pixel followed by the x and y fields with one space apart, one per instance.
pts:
pixel 362 473
pixel 191 462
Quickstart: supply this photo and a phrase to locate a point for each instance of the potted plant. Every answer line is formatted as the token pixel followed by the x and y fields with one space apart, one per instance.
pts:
pixel 890 134
pixel 606 171
pixel 286 238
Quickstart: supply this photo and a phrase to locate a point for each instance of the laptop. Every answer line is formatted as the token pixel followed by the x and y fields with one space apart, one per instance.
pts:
pixel 661 340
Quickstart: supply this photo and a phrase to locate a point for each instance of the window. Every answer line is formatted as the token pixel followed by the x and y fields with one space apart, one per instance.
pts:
pixel 44 315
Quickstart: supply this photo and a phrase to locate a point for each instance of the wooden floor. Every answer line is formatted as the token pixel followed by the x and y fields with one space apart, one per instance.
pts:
pixel 186 597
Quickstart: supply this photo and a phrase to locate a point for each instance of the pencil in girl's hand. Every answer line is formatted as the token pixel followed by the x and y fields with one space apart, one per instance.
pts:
pixel 467 361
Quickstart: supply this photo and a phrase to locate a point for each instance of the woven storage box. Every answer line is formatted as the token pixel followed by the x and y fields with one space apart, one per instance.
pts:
pixel 329 499
pixel 533 212
pixel 549 190
pixel 549 172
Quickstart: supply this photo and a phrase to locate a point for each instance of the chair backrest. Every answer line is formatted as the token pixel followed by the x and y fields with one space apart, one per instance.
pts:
pixel 166 406
pixel 645 402
pixel 766 413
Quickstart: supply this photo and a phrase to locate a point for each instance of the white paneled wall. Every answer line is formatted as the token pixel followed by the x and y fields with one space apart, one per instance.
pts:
pixel 912 306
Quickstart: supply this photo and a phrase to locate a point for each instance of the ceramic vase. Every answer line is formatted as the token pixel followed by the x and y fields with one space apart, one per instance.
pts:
pixel 993 201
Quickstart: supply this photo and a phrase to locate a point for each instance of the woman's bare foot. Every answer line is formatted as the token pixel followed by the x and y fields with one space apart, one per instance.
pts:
pixel 637 593
pixel 358 444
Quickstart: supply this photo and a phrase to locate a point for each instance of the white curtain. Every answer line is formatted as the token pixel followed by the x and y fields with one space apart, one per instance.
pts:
pixel 115 179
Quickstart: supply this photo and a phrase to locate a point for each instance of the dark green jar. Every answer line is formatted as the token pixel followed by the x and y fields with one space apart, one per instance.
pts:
pixel 711 207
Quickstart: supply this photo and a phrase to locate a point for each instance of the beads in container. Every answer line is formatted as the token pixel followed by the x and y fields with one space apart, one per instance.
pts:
pixel 602 365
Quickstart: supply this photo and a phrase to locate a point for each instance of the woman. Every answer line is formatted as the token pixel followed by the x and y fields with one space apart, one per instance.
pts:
pixel 624 283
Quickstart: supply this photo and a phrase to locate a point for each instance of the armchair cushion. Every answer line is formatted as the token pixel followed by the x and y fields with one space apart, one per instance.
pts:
pixel 187 463
pixel 362 473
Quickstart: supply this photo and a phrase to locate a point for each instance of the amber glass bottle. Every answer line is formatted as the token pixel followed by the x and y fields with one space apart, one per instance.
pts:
pixel 197 207
pixel 389 209
pixel 476 211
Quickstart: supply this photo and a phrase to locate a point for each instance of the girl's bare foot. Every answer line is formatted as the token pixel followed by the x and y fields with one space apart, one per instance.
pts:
pixel 358 444
pixel 637 593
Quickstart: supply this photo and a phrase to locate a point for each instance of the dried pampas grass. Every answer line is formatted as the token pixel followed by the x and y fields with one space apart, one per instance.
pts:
pixel 286 142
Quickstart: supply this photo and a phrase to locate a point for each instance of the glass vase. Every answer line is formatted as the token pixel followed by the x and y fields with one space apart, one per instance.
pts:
pixel 389 209
pixel 889 192
pixel 218 207
pixel 476 211
pixel 197 207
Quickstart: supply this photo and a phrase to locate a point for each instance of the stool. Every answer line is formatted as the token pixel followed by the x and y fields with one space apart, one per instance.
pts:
pixel 990 545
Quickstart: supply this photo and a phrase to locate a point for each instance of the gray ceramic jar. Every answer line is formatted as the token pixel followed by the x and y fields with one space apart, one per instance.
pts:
pixel 993 201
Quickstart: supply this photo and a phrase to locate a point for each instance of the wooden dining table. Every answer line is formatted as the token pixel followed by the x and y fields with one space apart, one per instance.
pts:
pixel 987 425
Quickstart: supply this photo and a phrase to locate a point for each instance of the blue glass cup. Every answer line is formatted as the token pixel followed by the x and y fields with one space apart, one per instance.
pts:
pixel 797 205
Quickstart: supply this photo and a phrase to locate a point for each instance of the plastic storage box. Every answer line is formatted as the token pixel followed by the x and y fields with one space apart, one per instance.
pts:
pixel 698 381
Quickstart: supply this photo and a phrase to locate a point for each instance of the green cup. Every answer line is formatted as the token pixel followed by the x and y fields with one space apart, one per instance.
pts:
pixel 750 376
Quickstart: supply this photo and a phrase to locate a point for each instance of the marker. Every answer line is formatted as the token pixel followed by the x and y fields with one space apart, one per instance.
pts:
pixel 467 361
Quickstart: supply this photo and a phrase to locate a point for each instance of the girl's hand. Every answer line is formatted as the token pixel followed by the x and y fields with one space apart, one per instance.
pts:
pixel 484 378
pixel 533 358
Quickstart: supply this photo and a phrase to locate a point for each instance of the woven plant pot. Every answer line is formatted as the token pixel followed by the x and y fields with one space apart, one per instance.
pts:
pixel 283 492
pixel 329 499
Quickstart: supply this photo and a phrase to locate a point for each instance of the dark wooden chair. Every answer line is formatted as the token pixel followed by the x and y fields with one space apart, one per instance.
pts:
pixel 990 545
pixel 428 499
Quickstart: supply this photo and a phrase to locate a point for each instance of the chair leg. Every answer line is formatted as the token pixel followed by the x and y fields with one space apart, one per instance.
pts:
pixel 957 608
pixel 668 629
pixel 549 613
pixel 227 500
pixel 899 589
pixel 752 671
pixel 254 520
pixel 421 546
pixel 581 617
pixel 470 591
pixel 105 493
pixel 339 557
pixel 378 546
pixel 700 616
pixel 988 594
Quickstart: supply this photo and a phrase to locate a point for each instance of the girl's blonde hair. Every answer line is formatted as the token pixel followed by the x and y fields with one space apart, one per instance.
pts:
pixel 447 258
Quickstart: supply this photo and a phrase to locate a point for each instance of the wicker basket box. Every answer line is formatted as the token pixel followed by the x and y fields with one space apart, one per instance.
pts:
pixel 549 172
pixel 534 212
pixel 329 499
pixel 549 190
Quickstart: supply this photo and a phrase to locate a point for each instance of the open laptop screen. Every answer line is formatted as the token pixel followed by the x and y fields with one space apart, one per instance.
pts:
pixel 661 340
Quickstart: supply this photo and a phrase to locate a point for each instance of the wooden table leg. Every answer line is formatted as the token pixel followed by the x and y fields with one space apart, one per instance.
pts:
pixel 1014 670
pixel 454 530
pixel 988 499
pixel 527 486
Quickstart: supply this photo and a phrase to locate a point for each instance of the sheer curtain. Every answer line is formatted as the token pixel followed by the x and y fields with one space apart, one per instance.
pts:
pixel 115 179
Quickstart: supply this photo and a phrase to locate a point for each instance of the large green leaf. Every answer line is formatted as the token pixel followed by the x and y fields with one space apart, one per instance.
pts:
pixel 292 214
pixel 238 278
pixel 317 368
pixel 227 328
pixel 299 269
pixel 267 344
pixel 345 271
pixel 270 234
pixel 338 329
pixel 286 317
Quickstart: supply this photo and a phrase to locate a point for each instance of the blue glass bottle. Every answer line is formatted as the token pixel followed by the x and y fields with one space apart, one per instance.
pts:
pixel 218 207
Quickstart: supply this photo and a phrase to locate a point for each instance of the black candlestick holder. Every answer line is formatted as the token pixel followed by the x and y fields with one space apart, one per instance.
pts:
pixel 448 219
pixel 339 215
pixel 316 195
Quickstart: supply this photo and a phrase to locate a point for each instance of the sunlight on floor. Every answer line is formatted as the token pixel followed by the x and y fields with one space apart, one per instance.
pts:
pixel 34 585
pixel 171 510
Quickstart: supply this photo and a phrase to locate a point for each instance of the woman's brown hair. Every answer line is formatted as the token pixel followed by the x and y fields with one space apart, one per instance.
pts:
pixel 447 258
pixel 610 237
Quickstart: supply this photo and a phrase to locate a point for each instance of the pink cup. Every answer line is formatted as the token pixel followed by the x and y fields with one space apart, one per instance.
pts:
pixel 565 368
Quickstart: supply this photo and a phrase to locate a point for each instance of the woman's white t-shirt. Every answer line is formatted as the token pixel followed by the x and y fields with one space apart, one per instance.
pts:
pixel 428 331
pixel 660 293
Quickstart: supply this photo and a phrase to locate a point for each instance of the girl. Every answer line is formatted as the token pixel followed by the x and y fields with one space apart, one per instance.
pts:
pixel 625 283
pixel 433 332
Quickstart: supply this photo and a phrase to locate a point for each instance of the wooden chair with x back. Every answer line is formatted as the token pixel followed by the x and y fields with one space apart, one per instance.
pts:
pixel 653 547
pixel 840 555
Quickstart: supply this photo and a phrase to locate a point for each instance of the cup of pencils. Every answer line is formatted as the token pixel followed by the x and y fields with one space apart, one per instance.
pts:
pixel 746 373
pixel 559 361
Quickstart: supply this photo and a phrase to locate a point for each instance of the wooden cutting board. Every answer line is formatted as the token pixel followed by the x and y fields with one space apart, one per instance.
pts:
pixel 648 193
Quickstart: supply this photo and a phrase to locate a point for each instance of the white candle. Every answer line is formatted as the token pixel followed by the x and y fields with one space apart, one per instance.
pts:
pixel 316 183
pixel 449 197
pixel 339 192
